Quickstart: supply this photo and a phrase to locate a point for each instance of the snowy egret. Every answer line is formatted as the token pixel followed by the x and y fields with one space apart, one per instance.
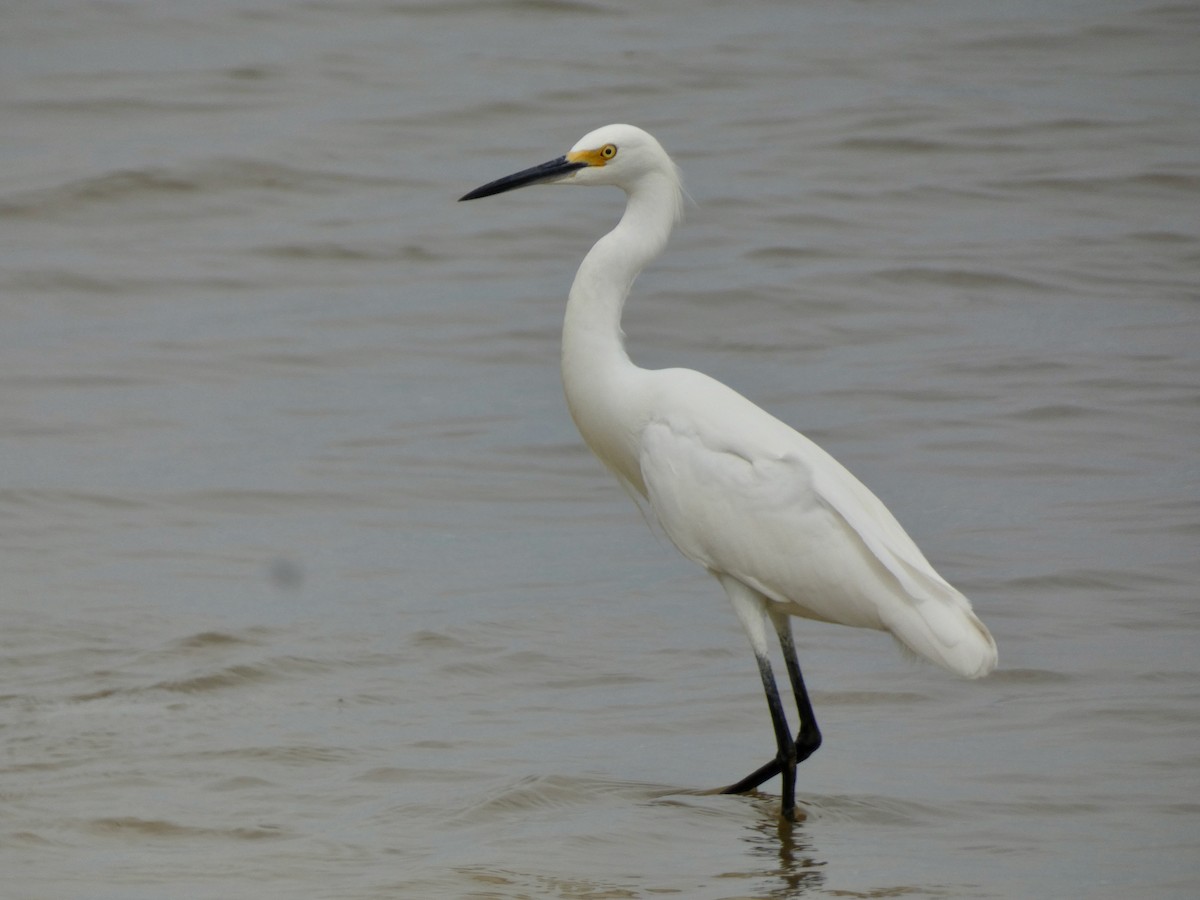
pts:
pixel 784 528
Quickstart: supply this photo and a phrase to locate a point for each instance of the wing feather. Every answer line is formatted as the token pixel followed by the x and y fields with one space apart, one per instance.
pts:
pixel 745 495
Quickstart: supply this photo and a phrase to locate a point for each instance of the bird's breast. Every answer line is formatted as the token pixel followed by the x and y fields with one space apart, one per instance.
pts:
pixel 605 410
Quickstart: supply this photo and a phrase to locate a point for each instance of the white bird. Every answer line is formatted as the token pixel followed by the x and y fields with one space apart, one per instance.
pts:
pixel 784 528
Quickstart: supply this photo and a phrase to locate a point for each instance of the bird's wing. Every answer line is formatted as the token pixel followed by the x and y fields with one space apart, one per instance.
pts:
pixel 744 494
pixel 933 619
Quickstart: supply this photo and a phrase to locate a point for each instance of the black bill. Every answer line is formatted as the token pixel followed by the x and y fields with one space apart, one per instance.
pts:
pixel 547 171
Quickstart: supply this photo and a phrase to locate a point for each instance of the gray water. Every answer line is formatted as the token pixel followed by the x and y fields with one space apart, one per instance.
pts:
pixel 308 587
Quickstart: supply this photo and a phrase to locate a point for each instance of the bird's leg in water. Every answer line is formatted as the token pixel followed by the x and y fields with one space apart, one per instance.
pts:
pixel 785 760
pixel 808 738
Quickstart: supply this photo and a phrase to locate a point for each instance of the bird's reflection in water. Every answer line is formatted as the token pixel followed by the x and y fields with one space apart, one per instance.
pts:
pixel 789 866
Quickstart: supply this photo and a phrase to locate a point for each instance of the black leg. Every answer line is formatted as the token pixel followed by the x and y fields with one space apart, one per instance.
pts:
pixel 755 778
pixel 785 761
pixel 808 738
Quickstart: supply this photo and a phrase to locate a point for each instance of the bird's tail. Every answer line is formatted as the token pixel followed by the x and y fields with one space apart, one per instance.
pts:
pixel 938 625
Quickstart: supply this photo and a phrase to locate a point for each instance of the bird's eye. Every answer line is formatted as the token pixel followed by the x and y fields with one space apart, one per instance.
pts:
pixel 608 151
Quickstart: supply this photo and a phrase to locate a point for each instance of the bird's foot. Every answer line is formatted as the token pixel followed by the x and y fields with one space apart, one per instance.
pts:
pixel 755 778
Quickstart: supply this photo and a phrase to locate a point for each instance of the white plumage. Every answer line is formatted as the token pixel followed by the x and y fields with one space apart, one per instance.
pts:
pixel 784 527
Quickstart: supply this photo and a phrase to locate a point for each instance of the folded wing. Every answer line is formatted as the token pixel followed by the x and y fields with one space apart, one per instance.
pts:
pixel 745 495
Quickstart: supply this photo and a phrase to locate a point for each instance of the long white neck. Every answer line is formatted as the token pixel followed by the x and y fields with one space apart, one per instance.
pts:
pixel 601 382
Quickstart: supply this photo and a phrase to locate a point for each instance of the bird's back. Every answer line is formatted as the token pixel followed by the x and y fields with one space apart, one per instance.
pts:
pixel 745 495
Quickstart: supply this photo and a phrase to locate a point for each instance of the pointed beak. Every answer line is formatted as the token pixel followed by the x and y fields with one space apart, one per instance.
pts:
pixel 548 171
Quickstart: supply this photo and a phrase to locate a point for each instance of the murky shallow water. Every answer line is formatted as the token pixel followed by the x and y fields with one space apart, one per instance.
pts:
pixel 309 587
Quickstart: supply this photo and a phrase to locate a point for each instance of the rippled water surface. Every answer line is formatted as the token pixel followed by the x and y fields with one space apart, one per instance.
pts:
pixel 308 586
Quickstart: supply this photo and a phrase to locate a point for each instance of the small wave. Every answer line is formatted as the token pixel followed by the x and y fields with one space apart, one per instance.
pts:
pixel 1055 412
pixel 1094 580
pixel 299 755
pixel 437 640
pixel 1137 182
pixel 871 698
pixel 411 775
pixel 1047 126
pixel 233 676
pixel 50 499
pixel 1095 39
pixel 207 678
pixel 223 679
pixel 799 254
pixel 336 252
pixel 913 146
pixel 960 278
pixel 161 828
pixel 1038 807
pixel 599 679
pixel 29 839
pixel 240 783
pixel 243 674
pixel 215 177
pixel 1162 237
pixel 1028 676
pixel 495 882
pixel 254 502
pixel 456 8
pixel 99 189
pixel 106 108
pixel 543 792
pixel 61 281
pixel 206 639
pixel 873 810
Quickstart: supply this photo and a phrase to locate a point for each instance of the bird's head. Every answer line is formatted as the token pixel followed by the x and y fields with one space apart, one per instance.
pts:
pixel 620 155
